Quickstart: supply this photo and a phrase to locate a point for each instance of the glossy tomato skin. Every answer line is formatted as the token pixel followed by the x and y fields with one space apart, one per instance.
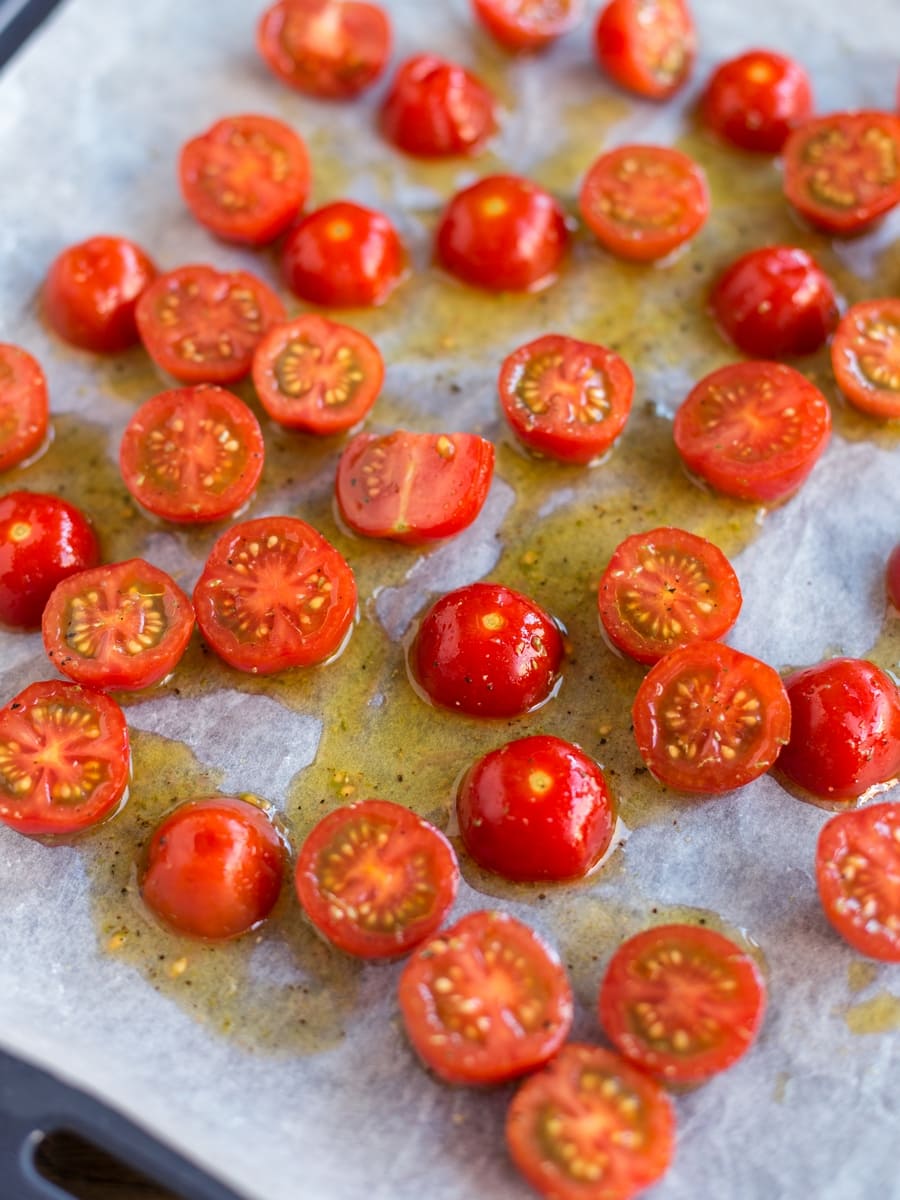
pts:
pixel 214 868
pixel 523 25
pixel 24 407
pixel 64 759
pixel 43 539
pixel 646 46
pixel 892 576
pixel 845 729
pixel 345 256
pixel 865 353
pixel 375 879
pixel 755 100
pixel 536 808
pixel 331 49
pixel 436 109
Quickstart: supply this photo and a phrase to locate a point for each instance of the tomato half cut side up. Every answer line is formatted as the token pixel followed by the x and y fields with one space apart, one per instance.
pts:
pixel 436 109
pixel 865 357
pixel 413 487
pixel 485 1000
pixel 64 759
pixel 375 879
pixel 119 627
pixel 24 407
pixel 646 46
pixel 525 25
pixel 332 49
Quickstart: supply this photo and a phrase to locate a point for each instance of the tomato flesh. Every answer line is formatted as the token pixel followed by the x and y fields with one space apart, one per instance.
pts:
pixel 24 407
pixel 755 100
pixel 332 49
pixel 527 24
pixel 865 357
pixel 343 255
pixel 435 109
pixel 646 46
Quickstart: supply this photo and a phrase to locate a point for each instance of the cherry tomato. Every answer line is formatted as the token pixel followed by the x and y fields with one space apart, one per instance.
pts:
pixel 845 729
pixel 536 808
pixel 865 357
pixel 487 651
pixel 708 718
pixel 589 1126
pixel 274 594
pixel 892 576
pixel 343 255
pixel 192 454
pixel 485 1000
pixel 646 46
pixel 756 99
pixel 413 487
pixel 664 589
pixel 375 879
pixel 214 868
pixel 566 399
pixel 333 49
pixel 527 24
pixel 64 759
pixel 753 430
pixel 775 302
pixel 24 408
pixel 246 178
pixel 435 109
pixel 43 539
pixel 842 172
pixel 317 375
pixel 503 233
pixel 202 325
pixel 91 292
pixel 643 202
pixel 117 627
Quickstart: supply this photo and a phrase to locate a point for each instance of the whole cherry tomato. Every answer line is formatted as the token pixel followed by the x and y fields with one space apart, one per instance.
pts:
pixel 343 255
pixel 756 99
pixel 436 108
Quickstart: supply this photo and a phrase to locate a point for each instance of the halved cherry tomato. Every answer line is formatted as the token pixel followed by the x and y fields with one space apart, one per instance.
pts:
pixel 865 357
pixel 753 430
pixel 413 487
pixel 375 879
pixel 91 292
pixel 756 99
pixel 646 46
pixel 564 398
pixel 487 651
pixel 64 759
pixel 117 627
pixel 503 233
pixel 664 589
pixel 43 539
pixel 682 1002
pixel 527 24
pixel 485 1000
pixel 708 718
pixel 214 868
pixel 536 808
pixel 24 408
pixel 842 172
pixel 192 454
pixel 202 325
pixel 317 375
pixel 274 594
pixel 642 202
pixel 590 1126
pixel 333 49
pixel 246 178
pixel 343 255
pixel 436 108
pixel 892 576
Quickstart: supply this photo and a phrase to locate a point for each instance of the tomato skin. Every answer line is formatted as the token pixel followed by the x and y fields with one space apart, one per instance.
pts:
pixel 345 256
pixel 892 576
pixel 388 858
pixel 214 868
pixel 436 109
pixel 646 46
pixel 755 100
pixel 24 407
pixel 331 49
pixel 516 26
pixel 865 352
pixel 43 539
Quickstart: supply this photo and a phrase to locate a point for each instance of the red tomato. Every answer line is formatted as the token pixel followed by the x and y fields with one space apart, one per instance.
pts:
pixel 527 24
pixel 202 325
pixel 64 759
pixel 316 375
pixel 503 233
pixel 892 577
pixel 246 178
pixel 858 874
pixel 842 172
pixel 590 1127
pixel 564 398
pixel 43 539
pixel 343 255
pixel 375 879
pixel 664 589
pixel 275 594
pixel 646 46
pixel 435 109
pixel 91 292
pixel 485 1000
pixel 681 1002
pixel 756 99
pixel 413 487
pixel 24 408
pixel 214 868
pixel 708 718
pixel 536 808
pixel 775 302
pixel 643 202
pixel 328 48
pixel 845 729
pixel 487 651
pixel 865 357
pixel 753 430
pixel 117 627
pixel 193 454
